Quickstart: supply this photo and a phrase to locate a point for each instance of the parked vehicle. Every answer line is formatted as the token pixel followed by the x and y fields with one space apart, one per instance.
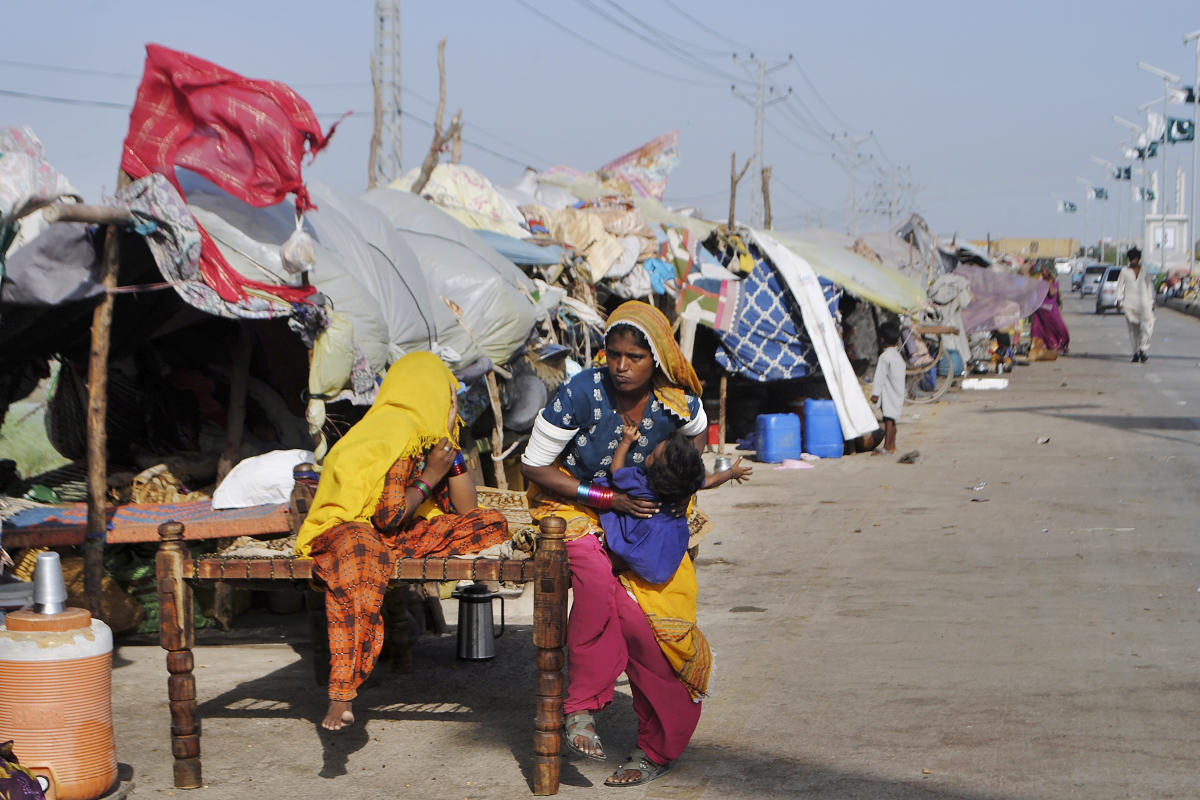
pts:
pixel 1106 294
pixel 1090 283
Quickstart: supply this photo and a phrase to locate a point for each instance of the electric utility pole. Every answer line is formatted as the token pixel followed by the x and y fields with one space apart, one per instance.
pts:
pixel 759 104
pixel 853 162
pixel 385 68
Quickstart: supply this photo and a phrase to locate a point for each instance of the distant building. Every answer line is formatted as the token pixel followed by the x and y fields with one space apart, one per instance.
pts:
pixel 1031 248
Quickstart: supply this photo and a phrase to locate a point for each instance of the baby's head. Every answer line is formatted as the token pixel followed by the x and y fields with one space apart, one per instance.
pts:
pixel 675 472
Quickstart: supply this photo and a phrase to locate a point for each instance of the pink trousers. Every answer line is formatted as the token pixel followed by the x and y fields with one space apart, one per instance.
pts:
pixel 607 634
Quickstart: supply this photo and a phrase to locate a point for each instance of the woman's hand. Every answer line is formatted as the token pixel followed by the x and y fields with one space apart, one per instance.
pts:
pixel 634 506
pixel 438 461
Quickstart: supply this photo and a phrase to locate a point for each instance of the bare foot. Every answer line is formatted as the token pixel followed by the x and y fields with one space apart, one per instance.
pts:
pixel 338 716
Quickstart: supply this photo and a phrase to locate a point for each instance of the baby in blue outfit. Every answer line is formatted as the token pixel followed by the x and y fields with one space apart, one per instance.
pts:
pixel 653 547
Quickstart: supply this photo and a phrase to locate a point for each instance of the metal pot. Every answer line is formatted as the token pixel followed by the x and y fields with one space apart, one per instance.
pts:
pixel 722 463
pixel 476 635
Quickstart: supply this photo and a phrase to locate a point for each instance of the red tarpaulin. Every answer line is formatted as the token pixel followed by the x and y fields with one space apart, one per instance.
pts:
pixel 247 136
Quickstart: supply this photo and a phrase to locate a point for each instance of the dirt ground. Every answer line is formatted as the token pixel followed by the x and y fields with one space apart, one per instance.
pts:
pixel 1005 619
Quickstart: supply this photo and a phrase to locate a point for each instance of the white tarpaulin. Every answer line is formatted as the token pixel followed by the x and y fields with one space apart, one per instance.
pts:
pixel 853 411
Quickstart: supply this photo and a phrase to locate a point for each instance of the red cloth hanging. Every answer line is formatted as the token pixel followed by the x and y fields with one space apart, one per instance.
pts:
pixel 247 136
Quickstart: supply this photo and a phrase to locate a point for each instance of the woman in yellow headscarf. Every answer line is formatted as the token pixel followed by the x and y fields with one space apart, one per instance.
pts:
pixel 622 624
pixel 394 486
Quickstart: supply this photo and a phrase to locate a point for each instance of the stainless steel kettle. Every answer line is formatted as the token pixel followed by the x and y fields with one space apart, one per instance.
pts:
pixel 476 635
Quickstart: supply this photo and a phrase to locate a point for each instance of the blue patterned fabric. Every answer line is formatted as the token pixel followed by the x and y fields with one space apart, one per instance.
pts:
pixel 585 404
pixel 768 341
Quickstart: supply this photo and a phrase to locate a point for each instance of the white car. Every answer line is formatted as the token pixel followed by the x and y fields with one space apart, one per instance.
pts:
pixel 1106 291
pixel 1090 284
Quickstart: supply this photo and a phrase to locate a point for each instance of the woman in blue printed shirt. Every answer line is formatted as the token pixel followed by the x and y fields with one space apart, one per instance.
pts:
pixel 646 380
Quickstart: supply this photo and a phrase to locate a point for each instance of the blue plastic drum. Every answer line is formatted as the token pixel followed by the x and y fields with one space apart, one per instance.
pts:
pixel 822 431
pixel 777 436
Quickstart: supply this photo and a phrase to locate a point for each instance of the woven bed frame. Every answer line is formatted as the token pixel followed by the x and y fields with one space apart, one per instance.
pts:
pixel 178 573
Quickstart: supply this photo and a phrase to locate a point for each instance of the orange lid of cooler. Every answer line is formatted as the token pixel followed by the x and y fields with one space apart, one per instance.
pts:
pixel 67 620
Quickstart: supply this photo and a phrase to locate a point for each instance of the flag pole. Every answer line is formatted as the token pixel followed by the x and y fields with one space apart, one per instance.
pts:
pixel 1191 233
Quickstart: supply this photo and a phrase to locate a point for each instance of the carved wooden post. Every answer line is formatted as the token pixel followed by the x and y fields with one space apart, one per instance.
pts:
pixel 549 637
pixel 177 635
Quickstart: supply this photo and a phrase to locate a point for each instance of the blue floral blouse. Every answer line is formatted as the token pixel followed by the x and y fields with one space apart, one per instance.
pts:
pixel 585 404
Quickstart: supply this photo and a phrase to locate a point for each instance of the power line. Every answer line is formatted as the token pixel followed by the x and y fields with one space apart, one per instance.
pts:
pixel 623 59
pixel 828 108
pixel 63 100
pixel 779 132
pixel 662 40
pixel 475 126
pixel 135 76
pixel 723 36
pixel 324 114
pixel 809 123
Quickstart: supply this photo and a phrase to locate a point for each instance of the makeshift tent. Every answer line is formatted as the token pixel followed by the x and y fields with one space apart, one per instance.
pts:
pixel 875 282
pixel 489 295
pixel 467 196
pixel 854 413
pixel 999 300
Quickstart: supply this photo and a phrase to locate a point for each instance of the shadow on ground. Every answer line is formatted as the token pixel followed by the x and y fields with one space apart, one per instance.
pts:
pixel 492 703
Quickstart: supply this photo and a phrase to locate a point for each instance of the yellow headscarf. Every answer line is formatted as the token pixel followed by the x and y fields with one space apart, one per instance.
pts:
pixel 409 416
pixel 675 375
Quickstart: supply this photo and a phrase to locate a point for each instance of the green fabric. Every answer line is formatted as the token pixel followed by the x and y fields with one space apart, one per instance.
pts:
pixel 132 566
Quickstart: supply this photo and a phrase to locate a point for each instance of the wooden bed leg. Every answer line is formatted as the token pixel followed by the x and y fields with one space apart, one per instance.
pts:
pixel 177 634
pixel 549 637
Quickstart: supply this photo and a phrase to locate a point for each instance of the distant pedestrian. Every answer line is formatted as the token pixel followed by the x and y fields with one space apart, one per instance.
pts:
pixel 889 384
pixel 1135 298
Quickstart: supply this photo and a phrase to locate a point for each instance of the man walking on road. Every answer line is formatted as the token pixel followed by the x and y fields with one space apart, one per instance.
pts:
pixel 1135 298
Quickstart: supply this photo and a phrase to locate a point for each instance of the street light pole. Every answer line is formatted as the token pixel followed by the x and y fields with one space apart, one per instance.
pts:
pixel 1135 131
pixel 1194 36
pixel 1112 172
pixel 1168 78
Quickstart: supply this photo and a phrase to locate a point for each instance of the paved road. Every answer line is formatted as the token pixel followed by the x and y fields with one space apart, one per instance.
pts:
pixel 883 630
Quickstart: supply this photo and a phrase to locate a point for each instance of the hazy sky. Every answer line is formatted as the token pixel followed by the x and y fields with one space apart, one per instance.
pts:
pixel 994 109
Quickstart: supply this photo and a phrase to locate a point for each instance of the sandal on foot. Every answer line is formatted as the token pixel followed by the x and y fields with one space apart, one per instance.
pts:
pixel 576 725
pixel 638 761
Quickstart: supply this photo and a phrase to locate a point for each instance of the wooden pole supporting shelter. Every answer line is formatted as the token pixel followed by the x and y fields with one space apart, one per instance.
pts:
pixel 766 189
pixel 497 432
pixel 97 407
pixel 440 137
pixel 549 637
pixel 721 416
pixel 236 416
pixel 734 177
pixel 376 129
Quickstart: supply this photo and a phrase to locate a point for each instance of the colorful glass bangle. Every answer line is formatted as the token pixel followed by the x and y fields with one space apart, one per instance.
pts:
pixel 583 492
pixel 423 487
pixel 600 497
pixel 459 466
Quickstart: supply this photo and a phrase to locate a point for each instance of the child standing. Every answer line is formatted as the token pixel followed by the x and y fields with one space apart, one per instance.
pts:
pixel 889 384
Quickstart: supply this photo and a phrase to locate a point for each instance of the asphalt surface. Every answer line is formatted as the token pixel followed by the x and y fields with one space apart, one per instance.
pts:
pixel 1014 616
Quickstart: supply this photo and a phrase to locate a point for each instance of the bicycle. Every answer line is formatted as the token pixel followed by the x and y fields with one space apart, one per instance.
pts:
pixel 929 371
